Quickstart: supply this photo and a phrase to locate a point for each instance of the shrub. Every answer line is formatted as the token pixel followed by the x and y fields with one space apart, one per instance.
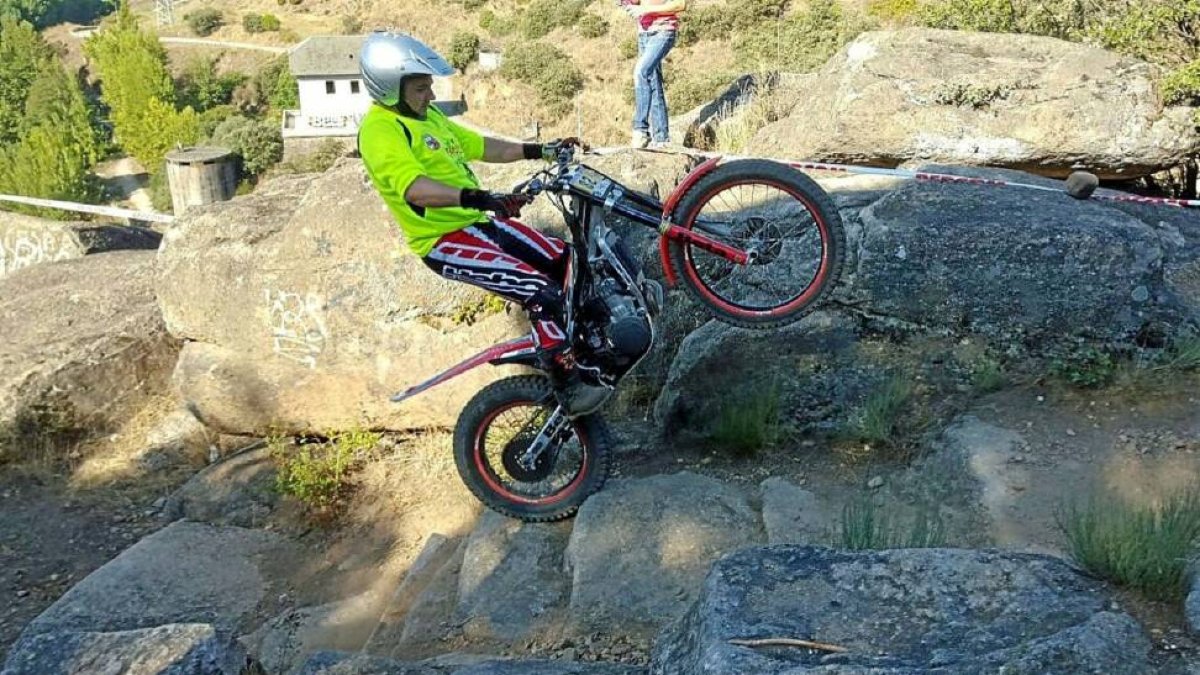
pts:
pixel 210 119
pixel 865 526
pixel 749 422
pixel 895 11
pixel 628 47
pixel 464 48
pixel 970 95
pixel 1182 85
pixel 547 69
pixel 987 375
pixel 471 5
pixel 878 421
pixel 160 190
pixel 542 16
pixel 258 143
pixel 318 474
pixel 686 91
pixel 799 43
pixel 260 23
pixel 592 26
pixel 351 25
pixel 1086 366
pixel 1145 548
pixel 202 88
pixel 317 161
pixel 204 22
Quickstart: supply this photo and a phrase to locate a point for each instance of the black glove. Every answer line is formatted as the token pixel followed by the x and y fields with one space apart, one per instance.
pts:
pixel 549 151
pixel 503 205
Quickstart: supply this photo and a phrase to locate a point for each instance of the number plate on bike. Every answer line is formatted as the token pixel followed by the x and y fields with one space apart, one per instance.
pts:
pixel 586 181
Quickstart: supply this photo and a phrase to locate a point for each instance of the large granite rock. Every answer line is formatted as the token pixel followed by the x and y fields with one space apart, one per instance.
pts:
pixel 303 310
pixel 83 343
pixel 901 612
pixel 27 241
pixel 1018 101
pixel 511 585
pixel 184 573
pixel 174 649
pixel 640 547
pixel 1008 263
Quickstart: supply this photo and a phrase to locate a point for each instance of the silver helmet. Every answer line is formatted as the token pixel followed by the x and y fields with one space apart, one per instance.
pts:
pixel 387 58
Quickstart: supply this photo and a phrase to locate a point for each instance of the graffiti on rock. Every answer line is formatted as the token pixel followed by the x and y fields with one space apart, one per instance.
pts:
pixel 22 247
pixel 297 325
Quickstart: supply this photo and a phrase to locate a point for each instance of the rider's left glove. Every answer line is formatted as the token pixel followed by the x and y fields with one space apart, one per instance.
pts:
pixel 503 205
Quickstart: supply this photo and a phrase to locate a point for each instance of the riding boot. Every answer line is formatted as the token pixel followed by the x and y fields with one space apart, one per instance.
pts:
pixel 576 397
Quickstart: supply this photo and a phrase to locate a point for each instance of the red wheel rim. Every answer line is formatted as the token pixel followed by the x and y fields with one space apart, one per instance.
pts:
pixel 811 291
pixel 485 470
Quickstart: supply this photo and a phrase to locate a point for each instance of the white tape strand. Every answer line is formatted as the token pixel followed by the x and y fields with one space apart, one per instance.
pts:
pixel 926 176
pixel 148 216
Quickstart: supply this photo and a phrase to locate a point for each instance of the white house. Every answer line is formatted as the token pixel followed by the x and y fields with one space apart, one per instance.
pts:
pixel 333 98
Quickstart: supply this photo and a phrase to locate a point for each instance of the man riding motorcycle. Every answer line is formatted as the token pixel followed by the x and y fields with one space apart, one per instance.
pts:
pixel 417 159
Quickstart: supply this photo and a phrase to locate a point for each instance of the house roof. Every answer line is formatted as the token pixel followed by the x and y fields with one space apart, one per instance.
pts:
pixel 326 55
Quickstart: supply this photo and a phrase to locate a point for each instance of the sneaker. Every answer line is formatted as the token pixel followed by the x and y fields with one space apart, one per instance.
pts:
pixel 640 139
pixel 663 145
pixel 578 399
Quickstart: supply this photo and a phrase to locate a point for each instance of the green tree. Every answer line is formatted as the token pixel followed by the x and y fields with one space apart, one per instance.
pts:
pixel 42 13
pixel 138 90
pixel 258 143
pixel 202 88
pixel 22 55
pixel 56 152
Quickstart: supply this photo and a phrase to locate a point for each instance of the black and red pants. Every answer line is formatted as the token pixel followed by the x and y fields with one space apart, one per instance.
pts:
pixel 511 260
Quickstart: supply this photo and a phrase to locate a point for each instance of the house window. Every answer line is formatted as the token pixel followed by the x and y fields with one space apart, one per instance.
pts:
pixel 329 89
pixel 353 86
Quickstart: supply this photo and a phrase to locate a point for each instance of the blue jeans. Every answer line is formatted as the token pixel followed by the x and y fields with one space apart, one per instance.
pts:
pixel 649 100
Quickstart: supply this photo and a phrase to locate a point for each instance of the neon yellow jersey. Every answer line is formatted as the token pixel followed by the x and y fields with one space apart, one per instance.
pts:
pixel 435 148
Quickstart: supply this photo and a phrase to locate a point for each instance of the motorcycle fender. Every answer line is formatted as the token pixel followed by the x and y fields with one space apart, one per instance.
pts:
pixel 505 352
pixel 669 206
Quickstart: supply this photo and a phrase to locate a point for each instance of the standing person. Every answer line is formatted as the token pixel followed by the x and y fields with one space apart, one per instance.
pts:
pixel 658 24
pixel 417 159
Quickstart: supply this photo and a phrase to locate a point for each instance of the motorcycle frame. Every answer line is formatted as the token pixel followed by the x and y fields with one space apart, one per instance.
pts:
pixel 632 205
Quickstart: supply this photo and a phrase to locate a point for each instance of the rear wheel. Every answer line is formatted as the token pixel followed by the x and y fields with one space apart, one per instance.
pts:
pixel 495 431
pixel 783 219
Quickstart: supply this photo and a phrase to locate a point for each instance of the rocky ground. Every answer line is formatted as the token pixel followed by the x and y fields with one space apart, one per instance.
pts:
pixel 1064 442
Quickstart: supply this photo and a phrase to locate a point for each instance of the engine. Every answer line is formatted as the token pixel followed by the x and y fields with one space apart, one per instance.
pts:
pixel 620 331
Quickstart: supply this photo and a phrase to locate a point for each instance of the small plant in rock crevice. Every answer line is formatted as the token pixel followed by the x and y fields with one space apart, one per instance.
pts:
pixel 1146 548
pixel 867 525
pixel 749 422
pixel 879 420
pixel 318 473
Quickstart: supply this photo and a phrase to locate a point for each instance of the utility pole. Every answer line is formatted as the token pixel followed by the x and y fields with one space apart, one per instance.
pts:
pixel 164 12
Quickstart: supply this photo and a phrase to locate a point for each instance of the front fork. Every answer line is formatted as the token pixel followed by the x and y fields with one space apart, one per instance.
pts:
pixel 668 231
pixel 546 440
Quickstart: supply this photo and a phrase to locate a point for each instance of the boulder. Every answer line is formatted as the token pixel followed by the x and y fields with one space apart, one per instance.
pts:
pixel 793 515
pixel 237 491
pixel 83 344
pixel 321 313
pixel 511 584
pixel 1008 263
pixel 640 547
pixel 284 642
pixel 184 573
pixel 997 99
pixel 341 663
pixel 174 649
pixel 718 364
pixel 26 240
pixel 898 612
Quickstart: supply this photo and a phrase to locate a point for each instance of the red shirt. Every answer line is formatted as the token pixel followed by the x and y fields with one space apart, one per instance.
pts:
pixel 659 21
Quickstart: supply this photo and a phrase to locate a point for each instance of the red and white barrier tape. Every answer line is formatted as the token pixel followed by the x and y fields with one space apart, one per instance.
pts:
pixel 926 176
pixel 147 216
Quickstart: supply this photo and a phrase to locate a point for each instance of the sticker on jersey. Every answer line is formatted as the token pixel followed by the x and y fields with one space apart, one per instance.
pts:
pixel 432 143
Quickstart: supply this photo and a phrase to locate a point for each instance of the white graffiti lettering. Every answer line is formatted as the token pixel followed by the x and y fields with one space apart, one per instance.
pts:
pixel 297 325
pixel 24 247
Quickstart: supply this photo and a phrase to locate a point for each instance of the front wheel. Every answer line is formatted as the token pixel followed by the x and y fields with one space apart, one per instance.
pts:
pixel 491 443
pixel 786 223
